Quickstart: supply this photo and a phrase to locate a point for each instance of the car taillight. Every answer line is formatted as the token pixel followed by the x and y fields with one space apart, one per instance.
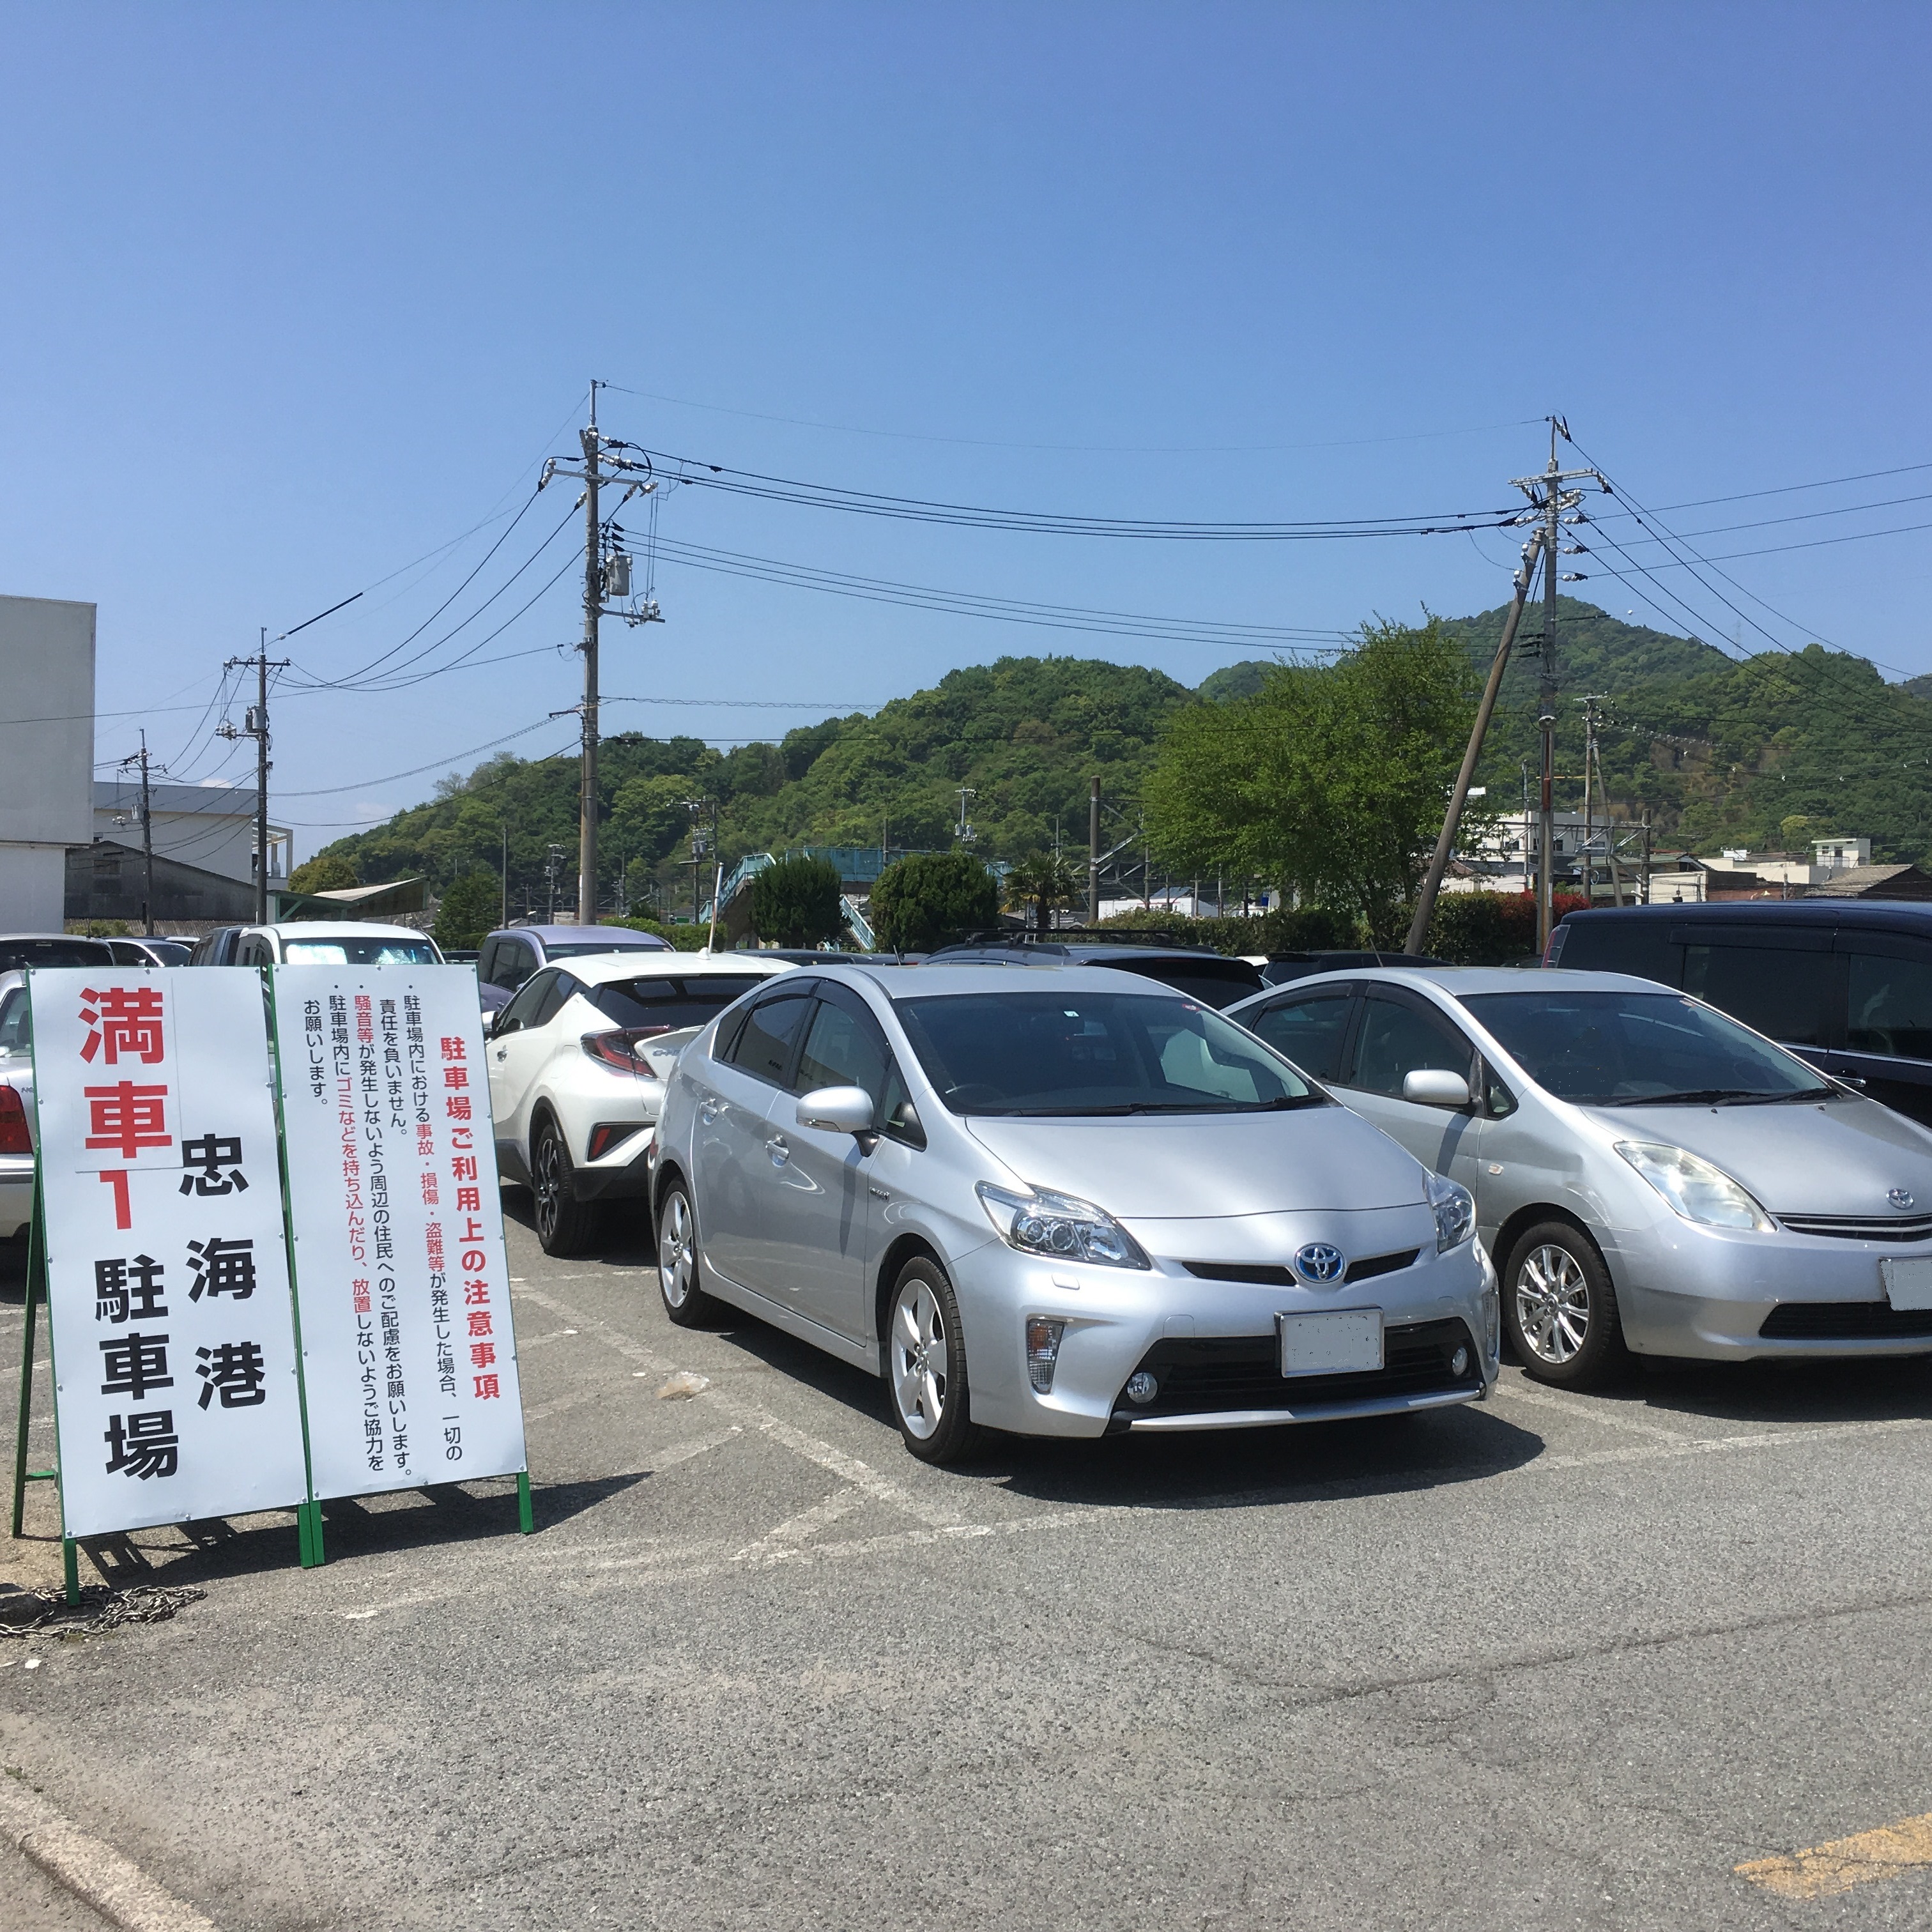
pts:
pixel 623 1049
pixel 604 1139
pixel 14 1123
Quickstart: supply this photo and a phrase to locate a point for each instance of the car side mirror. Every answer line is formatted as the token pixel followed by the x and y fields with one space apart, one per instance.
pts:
pixel 837 1110
pixel 1436 1086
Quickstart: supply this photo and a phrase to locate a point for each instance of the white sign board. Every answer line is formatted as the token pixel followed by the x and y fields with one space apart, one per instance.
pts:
pixel 408 1355
pixel 176 1393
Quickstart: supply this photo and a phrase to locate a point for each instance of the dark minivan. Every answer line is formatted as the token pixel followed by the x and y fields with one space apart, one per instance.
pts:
pixel 1847 984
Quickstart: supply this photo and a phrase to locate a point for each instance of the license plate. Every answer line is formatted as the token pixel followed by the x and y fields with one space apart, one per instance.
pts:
pixel 1908 1284
pixel 1341 1341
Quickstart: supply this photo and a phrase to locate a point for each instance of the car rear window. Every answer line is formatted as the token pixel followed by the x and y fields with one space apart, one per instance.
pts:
pixel 634 942
pixel 1215 982
pixel 16 1029
pixel 667 1000
pixel 358 952
pixel 16 953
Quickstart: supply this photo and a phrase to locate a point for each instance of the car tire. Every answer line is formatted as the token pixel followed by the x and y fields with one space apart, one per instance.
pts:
pixel 924 1363
pixel 679 1281
pixel 564 1224
pixel 1560 1309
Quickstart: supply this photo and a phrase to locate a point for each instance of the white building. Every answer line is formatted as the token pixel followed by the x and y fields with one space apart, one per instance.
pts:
pixel 209 826
pixel 46 755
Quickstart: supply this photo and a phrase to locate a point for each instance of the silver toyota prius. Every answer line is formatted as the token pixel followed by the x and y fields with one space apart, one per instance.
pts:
pixel 1652 1177
pixel 1061 1202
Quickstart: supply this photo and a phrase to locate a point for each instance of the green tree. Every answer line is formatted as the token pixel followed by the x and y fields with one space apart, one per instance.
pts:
pixel 795 901
pixel 469 909
pixel 327 872
pixel 1041 883
pixel 922 902
pixel 1329 781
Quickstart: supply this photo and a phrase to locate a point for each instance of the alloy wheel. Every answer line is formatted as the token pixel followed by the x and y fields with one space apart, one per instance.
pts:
pixel 548 1188
pixel 920 1358
pixel 1553 1304
pixel 674 1256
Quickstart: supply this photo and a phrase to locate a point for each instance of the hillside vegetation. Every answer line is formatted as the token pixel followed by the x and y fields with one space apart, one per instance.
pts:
pixel 1777 748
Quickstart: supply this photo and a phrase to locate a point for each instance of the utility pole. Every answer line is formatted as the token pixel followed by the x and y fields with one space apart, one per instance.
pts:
pixel 553 865
pixel 1093 852
pixel 1445 843
pixel 699 809
pixel 603 462
pixel 506 920
pixel 257 727
pixel 967 835
pixel 147 838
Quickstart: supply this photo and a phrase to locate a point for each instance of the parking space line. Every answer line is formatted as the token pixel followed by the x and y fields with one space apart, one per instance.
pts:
pixel 1703 1445
pixel 807 1523
pixel 1608 1414
pixel 95 1873
pixel 1824 1870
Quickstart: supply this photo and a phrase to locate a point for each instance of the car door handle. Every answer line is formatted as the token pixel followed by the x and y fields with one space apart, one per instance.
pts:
pixel 502 1053
pixel 708 1111
pixel 779 1152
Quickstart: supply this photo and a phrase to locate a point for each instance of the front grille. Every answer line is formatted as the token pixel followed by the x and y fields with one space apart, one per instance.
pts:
pixel 1861 1228
pixel 1843 1321
pixel 1206 1375
pixel 1263 1274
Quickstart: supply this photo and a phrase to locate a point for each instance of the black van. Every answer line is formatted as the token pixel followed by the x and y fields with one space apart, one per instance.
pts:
pixel 1845 983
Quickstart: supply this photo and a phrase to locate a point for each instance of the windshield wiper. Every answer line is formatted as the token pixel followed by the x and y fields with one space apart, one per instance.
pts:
pixel 1690 1097
pixel 1803 1093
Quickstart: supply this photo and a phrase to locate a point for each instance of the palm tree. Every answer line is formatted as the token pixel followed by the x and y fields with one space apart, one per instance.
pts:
pixel 1041 881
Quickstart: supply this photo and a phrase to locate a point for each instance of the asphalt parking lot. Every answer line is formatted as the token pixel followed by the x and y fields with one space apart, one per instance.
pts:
pixel 1554 1660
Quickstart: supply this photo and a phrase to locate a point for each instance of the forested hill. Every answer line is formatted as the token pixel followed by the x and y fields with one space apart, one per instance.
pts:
pixel 1777 748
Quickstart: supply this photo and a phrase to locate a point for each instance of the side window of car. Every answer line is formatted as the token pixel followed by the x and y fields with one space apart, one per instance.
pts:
pixel 521 1012
pixel 1397 1039
pixel 1310 1030
pixel 1784 992
pixel 486 963
pixel 513 964
pixel 763 1047
pixel 561 986
pixel 1890 1007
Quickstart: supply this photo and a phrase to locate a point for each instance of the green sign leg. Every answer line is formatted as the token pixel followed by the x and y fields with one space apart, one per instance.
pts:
pixel 308 1534
pixel 526 1519
pixel 70 1562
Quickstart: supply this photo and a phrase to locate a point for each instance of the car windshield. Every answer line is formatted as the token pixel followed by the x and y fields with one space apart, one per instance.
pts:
pixel 15 953
pixel 1638 1049
pixel 668 1000
pixel 577 949
pixel 1094 1053
pixel 372 952
pixel 16 1030
pixel 168 952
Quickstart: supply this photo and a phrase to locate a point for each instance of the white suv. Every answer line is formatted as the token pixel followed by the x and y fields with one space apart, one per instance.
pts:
pixel 577 1062
pixel 322 942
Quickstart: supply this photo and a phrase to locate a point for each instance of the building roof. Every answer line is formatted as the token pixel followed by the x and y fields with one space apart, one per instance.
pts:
pixel 1883 882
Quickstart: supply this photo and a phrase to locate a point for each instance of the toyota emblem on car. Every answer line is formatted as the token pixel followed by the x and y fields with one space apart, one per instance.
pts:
pixel 1900 1197
pixel 1320 1263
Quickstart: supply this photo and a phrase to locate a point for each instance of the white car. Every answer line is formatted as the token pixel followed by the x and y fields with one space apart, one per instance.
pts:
pixel 577 1062
pixel 316 942
pixel 16 1107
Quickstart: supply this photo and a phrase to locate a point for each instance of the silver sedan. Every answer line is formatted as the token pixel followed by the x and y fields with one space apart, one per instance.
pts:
pixel 1653 1177
pixel 1055 1202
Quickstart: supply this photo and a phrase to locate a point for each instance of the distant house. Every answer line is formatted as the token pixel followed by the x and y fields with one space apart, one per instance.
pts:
pixel 204 846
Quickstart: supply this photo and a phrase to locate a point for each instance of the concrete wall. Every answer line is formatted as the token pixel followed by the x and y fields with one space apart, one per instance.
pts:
pixel 46 755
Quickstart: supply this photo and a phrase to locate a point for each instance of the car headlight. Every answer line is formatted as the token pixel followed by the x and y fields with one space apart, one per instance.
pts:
pixel 1043 1223
pixel 1455 1208
pixel 1694 1189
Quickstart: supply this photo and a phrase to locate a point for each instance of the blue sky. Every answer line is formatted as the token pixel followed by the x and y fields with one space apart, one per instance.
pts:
pixel 297 295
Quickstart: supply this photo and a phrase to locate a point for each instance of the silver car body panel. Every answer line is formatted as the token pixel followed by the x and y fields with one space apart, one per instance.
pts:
pixel 1259 1186
pixel 16 1170
pixel 1684 1288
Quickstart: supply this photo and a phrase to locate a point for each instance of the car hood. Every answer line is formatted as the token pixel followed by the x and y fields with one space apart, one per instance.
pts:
pixel 1202 1166
pixel 1840 1157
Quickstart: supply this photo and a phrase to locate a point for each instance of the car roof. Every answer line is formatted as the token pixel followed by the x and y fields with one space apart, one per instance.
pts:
pixel 7 938
pixel 1460 982
pixel 597 969
pixel 1071 951
pixel 615 935
pixel 1767 912
pixel 939 977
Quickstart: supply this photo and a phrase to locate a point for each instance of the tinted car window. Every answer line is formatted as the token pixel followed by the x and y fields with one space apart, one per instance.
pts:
pixel 764 1043
pixel 842 1051
pixel 1637 1048
pixel 1219 983
pixel 16 1031
pixel 15 953
pixel 555 999
pixel 1396 1040
pixel 668 1002
pixel 1890 1007
pixel 1778 990
pixel 170 952
pixel 532 994
pixel 1310 1030
pixel 1608 944
pixel 513 963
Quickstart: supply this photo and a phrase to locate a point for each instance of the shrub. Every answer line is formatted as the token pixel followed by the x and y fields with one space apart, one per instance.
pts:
pixel 928 898
pixel 1490 928
pixel 795 901
pixel 469 910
